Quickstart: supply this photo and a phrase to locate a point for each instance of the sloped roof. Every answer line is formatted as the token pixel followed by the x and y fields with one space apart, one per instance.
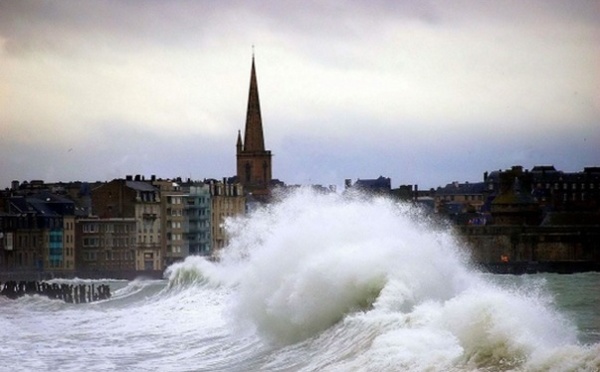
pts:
pixel 41 207
pixel 462 189
pixel 49 197
pixel 374 183
pixel 514 195
pixel 140 186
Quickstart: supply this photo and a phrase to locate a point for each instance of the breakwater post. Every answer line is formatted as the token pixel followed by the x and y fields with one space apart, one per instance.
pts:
pixel 70 293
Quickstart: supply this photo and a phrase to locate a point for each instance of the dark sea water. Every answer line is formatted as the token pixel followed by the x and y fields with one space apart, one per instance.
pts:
pixel 318 283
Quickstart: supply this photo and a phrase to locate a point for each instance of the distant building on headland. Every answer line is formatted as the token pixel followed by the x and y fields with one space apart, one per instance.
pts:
pixel 538 220
pixel 380 185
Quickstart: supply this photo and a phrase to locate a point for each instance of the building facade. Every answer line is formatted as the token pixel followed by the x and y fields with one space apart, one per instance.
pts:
pixel 37 235
pixel 173 224
pixel 227 200
pixel 106 246
pixel 460 198
pixel 140 200
pixel 197 218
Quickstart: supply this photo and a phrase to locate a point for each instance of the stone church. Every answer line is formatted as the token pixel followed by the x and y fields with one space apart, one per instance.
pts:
pixel 253 161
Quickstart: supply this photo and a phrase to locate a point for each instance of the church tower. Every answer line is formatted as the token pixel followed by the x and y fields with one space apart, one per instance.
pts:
pixel 253 161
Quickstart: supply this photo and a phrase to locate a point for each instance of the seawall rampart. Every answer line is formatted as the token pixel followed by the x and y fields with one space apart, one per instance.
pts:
pixel 534 248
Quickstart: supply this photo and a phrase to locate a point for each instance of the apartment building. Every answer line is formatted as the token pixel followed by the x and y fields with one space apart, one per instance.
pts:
pixel 174 244
pixel 197 218
pixel 140 200
pixel 227 200
pixel 107 246
pixel 37 234
pixel 458 197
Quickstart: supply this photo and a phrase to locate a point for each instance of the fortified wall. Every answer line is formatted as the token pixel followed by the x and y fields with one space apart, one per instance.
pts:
pixel 520 249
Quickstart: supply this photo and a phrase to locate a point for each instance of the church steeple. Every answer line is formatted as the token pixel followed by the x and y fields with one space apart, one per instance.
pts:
pixel 253 161
pixel 239 147
pixel 253 135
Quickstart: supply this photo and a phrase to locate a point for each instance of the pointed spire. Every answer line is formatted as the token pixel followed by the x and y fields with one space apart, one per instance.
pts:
pixel 253 135
pixel 239 145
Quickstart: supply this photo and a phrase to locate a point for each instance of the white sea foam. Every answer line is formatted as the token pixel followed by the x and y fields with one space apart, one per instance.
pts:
pixel 313 261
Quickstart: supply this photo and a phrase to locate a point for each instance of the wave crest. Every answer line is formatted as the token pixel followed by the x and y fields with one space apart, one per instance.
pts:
pixel 309 262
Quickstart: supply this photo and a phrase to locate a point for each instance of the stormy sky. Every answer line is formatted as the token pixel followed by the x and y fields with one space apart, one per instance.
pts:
pixel 424 92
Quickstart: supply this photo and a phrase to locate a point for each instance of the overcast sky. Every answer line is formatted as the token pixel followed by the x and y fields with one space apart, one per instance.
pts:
pixel 424 92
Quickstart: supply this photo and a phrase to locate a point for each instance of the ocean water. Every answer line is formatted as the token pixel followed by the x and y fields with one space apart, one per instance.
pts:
pixel 318 283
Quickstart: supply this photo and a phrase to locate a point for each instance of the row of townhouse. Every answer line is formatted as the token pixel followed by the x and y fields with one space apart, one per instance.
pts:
pixel 121 228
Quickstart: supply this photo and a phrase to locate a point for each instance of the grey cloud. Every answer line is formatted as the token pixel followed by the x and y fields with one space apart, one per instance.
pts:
pixel 61 26
pixel 423 92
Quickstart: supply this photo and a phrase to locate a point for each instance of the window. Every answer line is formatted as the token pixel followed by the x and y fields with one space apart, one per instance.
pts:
pixel 90 242
pixel 90 228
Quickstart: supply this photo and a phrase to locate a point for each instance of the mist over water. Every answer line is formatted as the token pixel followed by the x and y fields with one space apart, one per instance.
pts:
pixel 320 282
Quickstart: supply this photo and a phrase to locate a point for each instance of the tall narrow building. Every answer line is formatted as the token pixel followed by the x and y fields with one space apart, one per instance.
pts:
pixel 253 161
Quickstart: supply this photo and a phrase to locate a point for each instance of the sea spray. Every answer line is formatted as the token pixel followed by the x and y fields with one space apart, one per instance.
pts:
pixel 314 264
pixel 311 259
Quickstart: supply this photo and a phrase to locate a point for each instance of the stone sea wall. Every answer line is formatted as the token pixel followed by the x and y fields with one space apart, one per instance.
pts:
pixel 534 248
